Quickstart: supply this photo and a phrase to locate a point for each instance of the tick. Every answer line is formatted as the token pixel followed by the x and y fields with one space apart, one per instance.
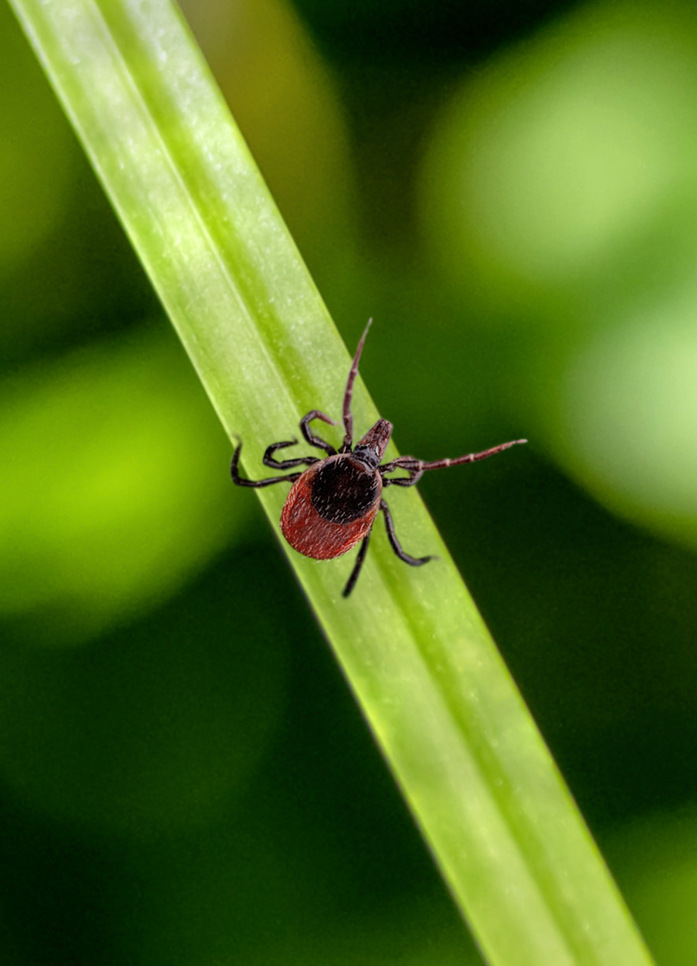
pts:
pixel 332 504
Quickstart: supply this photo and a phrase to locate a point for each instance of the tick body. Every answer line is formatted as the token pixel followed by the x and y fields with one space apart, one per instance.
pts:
pixel 333 504
pixel 331 507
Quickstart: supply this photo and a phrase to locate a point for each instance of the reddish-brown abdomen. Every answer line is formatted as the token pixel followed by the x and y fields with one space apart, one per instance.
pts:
pixel 321 528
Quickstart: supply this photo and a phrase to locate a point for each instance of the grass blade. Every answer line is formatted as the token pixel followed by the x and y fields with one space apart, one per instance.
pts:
pixel 455 732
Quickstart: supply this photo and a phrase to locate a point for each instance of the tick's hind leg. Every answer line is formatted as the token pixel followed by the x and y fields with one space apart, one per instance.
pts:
pixel 357 566
pixel 269 459
pixel 240 481
pixel 396 545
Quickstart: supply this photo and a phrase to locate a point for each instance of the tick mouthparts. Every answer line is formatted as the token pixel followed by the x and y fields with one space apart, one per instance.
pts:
pixel 377 438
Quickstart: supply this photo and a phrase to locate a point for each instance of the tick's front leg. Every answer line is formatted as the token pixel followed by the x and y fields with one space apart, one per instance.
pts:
pixel 241 481
pixel 269 459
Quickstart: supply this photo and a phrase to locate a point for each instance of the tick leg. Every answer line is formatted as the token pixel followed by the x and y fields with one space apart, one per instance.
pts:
pixel 396 545
pixel 310 436
pixel 269 460
pixel 416 468
pixel 347 444
pixel 407 463
pixel 357 566
pixel 240 481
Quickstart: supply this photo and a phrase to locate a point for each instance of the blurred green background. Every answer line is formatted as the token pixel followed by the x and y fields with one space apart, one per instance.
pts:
pixel 510 190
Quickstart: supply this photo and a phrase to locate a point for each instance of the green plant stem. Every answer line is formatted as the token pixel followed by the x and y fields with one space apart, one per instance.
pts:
pixel 455 732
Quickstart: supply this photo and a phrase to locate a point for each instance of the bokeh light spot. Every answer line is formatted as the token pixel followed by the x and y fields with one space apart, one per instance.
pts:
pixel 628 417
pixel 114 486
pixel 559 155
